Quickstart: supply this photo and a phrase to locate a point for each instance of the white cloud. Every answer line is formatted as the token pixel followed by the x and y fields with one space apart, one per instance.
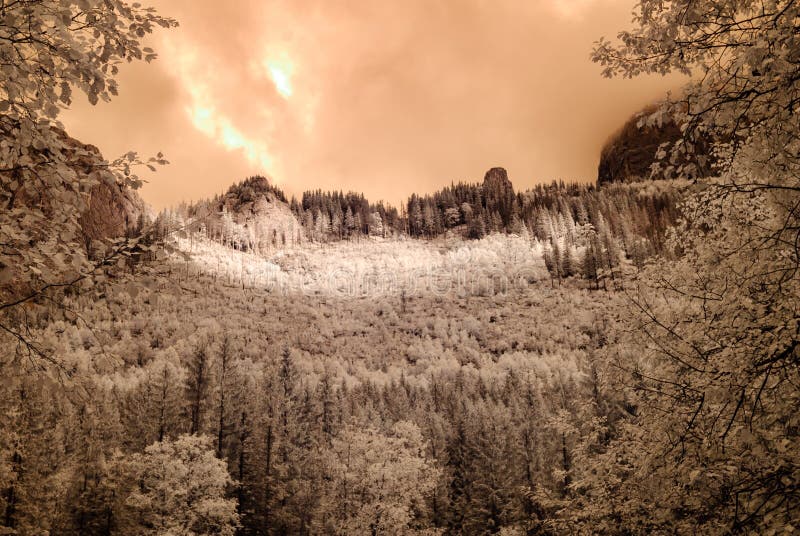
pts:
pixel 207 118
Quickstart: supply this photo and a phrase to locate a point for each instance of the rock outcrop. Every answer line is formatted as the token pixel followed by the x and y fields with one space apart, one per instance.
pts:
pixel 498 193
pixel 254 215
pixel 628 155
pixel 113 210
pixel 57 208
pixel 496 180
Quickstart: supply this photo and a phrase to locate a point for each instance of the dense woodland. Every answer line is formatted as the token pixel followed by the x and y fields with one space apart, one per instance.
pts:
pixel 627 363
pixel 586 231
pixel 469 210
pixel 389 414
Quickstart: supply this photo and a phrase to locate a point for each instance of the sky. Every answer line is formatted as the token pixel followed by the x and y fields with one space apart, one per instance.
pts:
pixel 383 97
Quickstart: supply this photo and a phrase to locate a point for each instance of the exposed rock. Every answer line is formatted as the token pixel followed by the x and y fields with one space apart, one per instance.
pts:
pixel 256 198
pixel 113 210
pixel 240 197
pixel 56 210
pixel 496 180
pixel 498 193
pixel 258 213
pixel 628 155
pixel 108 210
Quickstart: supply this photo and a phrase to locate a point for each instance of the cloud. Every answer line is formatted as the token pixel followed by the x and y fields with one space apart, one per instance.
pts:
pixel 203 107
pixel 574 9
pixel 387 98
pixel 280 72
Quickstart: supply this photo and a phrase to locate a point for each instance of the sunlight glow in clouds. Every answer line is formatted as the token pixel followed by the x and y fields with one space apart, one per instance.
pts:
pixel 280 72
pixel 208 119
pixel 443 91
pixel 220 128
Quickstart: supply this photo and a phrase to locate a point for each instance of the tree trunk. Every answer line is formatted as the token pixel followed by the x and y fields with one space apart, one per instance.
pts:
pixel 267 480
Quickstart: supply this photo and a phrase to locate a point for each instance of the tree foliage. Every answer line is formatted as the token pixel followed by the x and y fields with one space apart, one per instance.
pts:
pixel 49 49
pixel 710 362
pixel 180 489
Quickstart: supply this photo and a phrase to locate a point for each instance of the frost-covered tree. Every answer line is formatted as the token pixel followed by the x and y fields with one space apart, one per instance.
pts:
pixel 380 481
pixel 180 489
pixel 711 442
pixel 349 222
pixel 376 224
pixel 48 49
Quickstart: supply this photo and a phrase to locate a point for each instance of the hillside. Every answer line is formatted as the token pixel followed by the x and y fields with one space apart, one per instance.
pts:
pixel 580 230
pixel 409 353
pixel 376 267
pixel 615 359
pixel 629 153
pixel 443 358
pixel 465 380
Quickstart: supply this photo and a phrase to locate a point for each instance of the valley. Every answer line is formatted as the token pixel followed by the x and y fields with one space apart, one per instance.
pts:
pixel 255 342
pixel 498 387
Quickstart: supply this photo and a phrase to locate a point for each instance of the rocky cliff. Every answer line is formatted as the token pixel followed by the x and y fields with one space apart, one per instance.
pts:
pixel 498 193
pixel 629 153
pixel 112 210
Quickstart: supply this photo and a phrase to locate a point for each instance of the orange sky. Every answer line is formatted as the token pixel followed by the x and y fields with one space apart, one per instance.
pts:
pixel 381 97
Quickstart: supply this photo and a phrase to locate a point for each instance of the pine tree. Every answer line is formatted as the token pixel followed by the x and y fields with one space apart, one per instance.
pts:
pixel 198 383
pixel 349 222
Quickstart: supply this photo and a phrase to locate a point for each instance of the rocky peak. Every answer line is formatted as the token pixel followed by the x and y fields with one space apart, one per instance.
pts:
pixel 242 196
pixel 496 180
pixel 629 153
pixel 498 193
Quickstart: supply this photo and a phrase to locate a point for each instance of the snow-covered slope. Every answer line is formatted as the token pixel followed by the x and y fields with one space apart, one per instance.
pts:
pixel 374 266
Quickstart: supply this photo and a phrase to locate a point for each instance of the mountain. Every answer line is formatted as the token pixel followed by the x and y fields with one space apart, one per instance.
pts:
pixel 113 210
pixel 252 215
pixel 629 152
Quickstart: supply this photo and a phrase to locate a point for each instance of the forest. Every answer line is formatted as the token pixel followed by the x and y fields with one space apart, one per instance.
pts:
pixel 570 359
pixel 582 231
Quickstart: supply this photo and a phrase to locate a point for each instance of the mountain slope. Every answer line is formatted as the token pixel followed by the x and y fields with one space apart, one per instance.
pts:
pixel 628 154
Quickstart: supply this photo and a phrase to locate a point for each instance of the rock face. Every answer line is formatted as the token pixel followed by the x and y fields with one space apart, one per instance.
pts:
pixel 629 153
pixel 110 209
pixel 498 193
pixel 56 212
pixel 496 179
pixel 114 211
pixel 256 198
